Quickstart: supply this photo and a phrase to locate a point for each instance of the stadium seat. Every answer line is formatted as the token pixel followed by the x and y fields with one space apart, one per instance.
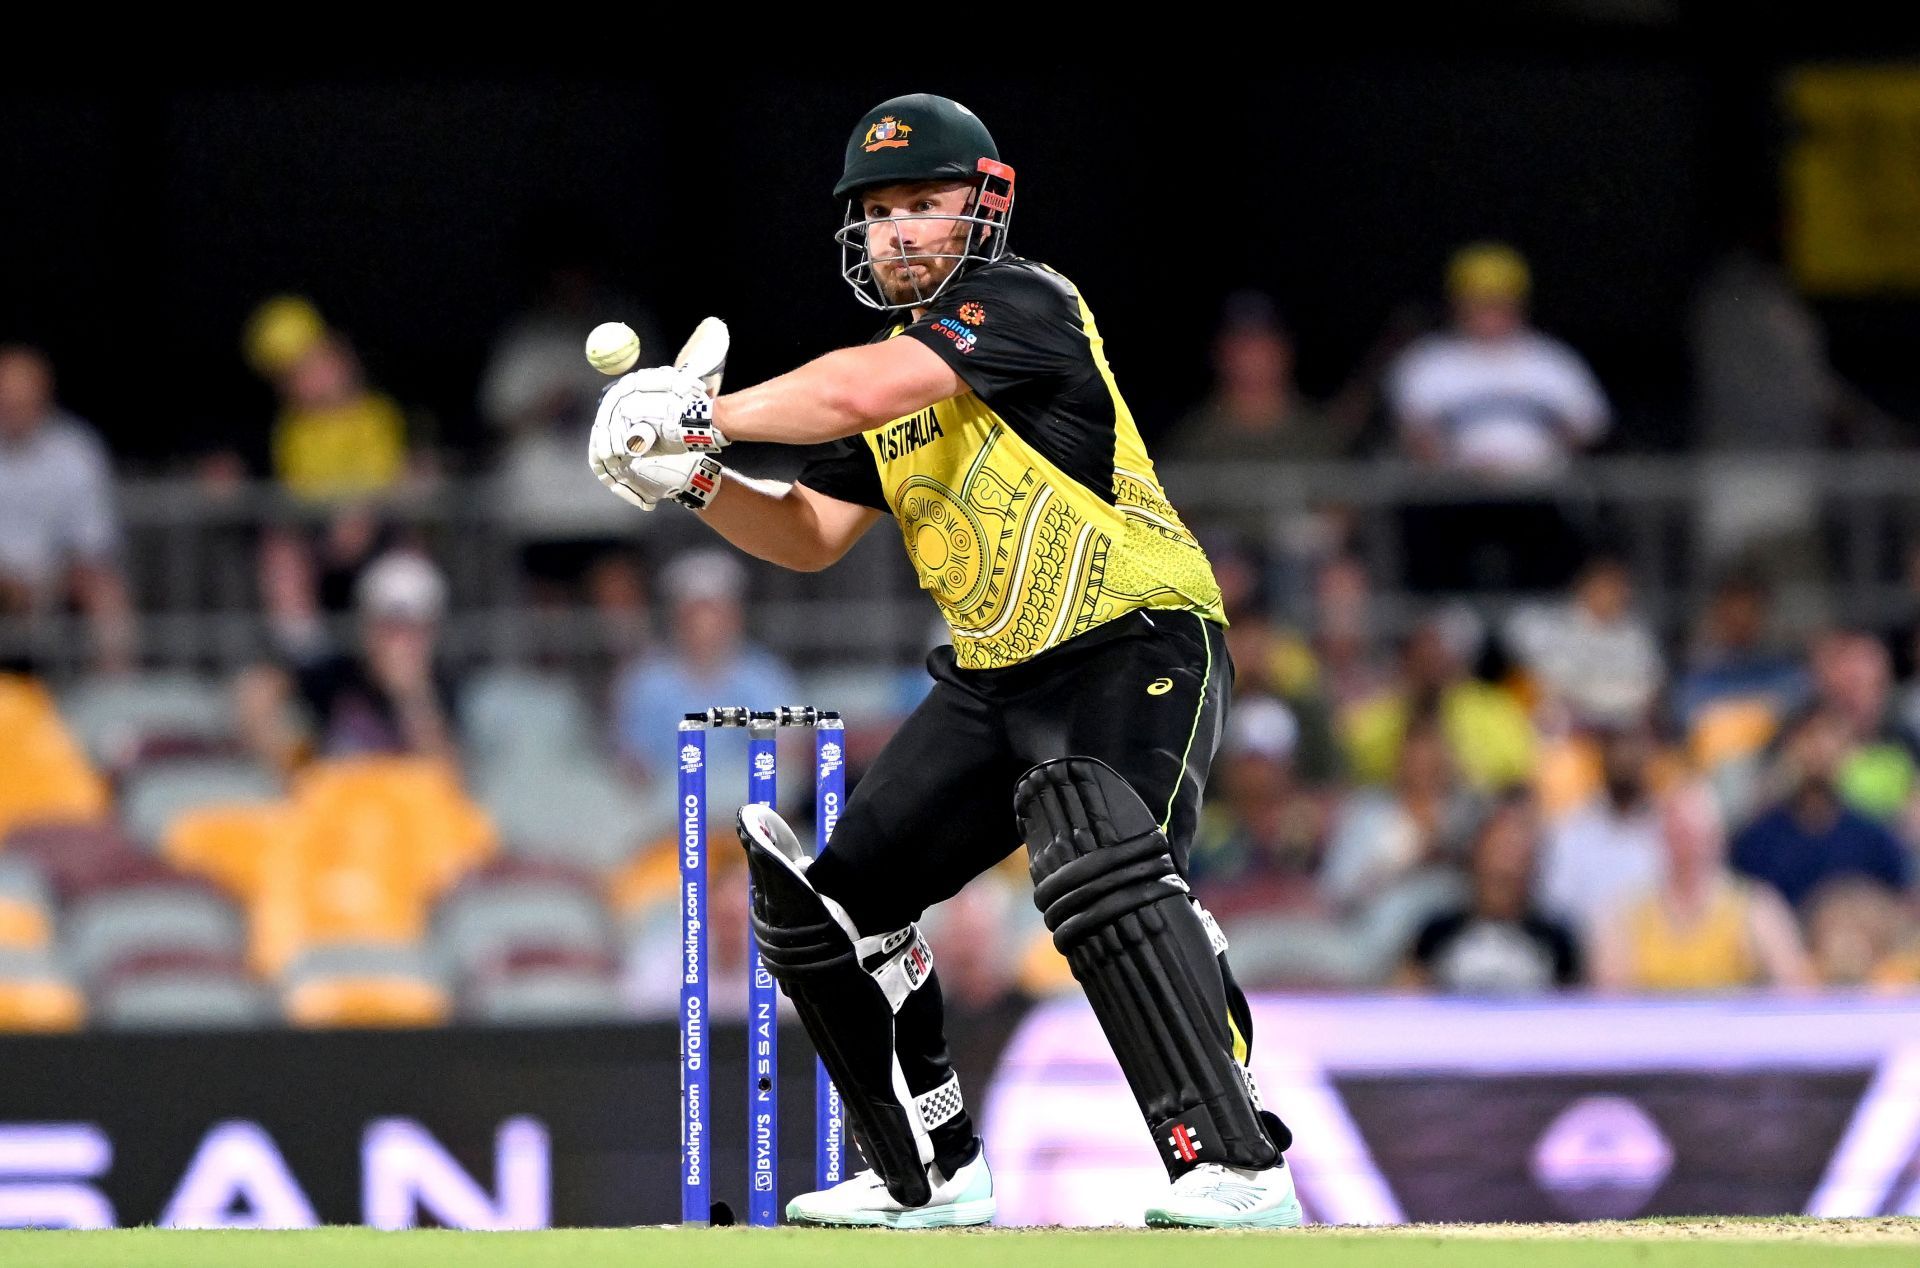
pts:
pixel 1729 730
pixel 186 1002
pixel 651 878
pixel 371 842
pixel 581 813
pixel 413 804
pixel 119 718
pixel 231 844
pixel 483 922
pixel 105 928
pixel 26 905
pixel 547 997
pixel 182 991
pixel 44 775
pixel 324 889
pixel 36 996
pixel 155 796
pixel 79 858
pixel 509 711
pixel 1567 776
pixel 353 985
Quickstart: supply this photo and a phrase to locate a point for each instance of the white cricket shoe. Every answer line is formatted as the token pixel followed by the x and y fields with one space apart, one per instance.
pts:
pixel 965 1199
pixel 1214 1195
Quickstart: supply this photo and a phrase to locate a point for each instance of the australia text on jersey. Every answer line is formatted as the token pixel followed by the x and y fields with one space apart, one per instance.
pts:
pixel 907 435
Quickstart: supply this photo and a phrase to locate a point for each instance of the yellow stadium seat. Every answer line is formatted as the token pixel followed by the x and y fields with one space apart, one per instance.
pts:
pixel 44 775
pixel 318 894
pixel 1728 730
pixel 24 925
pixel 369 843
pixel 367 1001
pixel 40 1004
pixel 232 845
pixel 1567 776
pixel 652 875
pixel 418 801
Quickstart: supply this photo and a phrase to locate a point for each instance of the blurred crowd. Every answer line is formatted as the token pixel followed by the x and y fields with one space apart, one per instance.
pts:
pixel 1471 795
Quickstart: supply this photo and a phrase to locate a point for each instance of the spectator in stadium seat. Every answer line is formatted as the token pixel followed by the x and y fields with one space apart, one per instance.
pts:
pixel 1345 636
pixel 1733 657
pixel 1260 838
pixel 1852 681
pixel 537 392
pixel 1592 658
pixel 1863 936
pixel 1499 944
pixel 59 532
pixel 977 938
pixel 1610 847
pixel 1493 395
pixel 1492 740
pixel 336 438
pixel 389 694
pixel 1270 659
pixel 650 978
pixel 1380 835
pixel 1813 836
pixel 1698 927
pixel 1495 400
pixel 707 661
pixel 1255 412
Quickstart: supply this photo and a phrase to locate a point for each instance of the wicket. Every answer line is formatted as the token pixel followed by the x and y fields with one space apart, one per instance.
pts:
pixel 763 1099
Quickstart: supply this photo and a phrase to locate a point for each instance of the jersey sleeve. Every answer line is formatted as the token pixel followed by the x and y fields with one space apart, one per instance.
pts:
pixel 845 469
pixel 1011 329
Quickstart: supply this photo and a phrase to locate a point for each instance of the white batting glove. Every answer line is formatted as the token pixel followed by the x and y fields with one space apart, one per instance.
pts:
pixel 690 479
pixel 664 410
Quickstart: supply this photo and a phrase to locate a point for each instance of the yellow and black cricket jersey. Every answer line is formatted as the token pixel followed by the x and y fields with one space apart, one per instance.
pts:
pixel 1028 505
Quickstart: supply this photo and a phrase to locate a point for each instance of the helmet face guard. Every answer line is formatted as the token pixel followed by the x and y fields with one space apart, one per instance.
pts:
pixel 989 215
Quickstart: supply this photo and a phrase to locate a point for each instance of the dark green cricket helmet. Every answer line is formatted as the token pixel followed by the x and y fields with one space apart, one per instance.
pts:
pixel 921 137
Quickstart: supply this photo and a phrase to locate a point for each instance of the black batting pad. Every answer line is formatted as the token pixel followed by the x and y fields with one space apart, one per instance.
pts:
pixel 1120 913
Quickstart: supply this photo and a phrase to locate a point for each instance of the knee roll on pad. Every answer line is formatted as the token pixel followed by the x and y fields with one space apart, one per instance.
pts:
pixel 846 989
pixel 1121 915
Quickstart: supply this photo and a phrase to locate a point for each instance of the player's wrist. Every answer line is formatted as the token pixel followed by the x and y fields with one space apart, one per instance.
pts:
pixel 703 483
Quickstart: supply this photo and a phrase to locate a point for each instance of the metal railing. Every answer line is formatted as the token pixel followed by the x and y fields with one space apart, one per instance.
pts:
pixel 1850 521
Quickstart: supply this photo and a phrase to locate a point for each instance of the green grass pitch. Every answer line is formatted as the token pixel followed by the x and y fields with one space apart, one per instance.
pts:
pixel 1653 1244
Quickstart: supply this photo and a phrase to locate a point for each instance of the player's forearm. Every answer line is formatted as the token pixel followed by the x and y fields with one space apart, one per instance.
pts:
pixel 841 394
pixel 765 519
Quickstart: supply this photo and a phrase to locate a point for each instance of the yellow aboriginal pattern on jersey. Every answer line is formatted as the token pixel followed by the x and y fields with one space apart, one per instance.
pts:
pixel 1019 555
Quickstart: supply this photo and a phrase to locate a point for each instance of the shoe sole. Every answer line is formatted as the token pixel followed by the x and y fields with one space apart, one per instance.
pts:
pixel 1286 1215
pixel 952 1215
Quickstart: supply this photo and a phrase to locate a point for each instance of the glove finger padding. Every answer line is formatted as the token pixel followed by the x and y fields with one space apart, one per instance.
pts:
pixel 664 409
pixel 688 478
pixel 705 353
pixel 609 466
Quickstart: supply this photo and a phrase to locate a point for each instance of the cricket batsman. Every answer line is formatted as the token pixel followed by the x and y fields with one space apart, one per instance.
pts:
pixel 1076 711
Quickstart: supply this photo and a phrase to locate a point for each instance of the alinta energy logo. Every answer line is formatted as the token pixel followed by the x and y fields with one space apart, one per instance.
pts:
pixel 888 134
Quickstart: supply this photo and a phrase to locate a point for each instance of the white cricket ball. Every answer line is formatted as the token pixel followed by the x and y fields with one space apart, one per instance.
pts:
pixel 613 348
